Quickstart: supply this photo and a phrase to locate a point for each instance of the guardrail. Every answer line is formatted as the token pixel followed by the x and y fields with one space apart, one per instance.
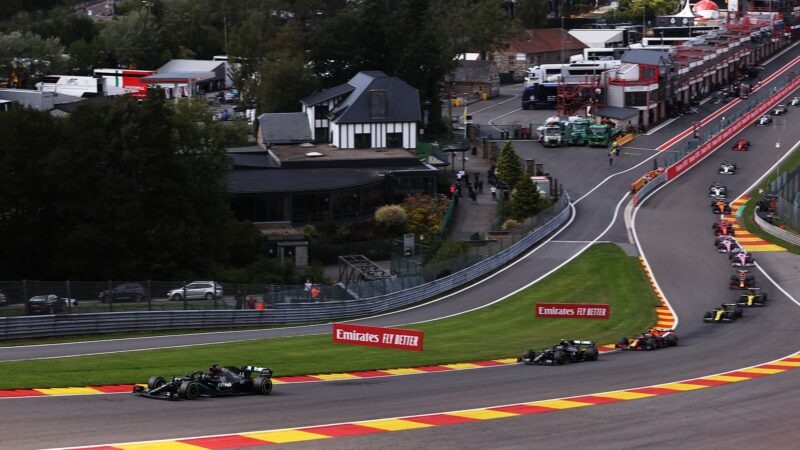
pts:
pixel 649 187
pixel 775 231
pixel 280 313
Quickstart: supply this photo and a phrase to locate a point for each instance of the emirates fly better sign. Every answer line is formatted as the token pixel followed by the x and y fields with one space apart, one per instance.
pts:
pixel 573 310
pixel 345 333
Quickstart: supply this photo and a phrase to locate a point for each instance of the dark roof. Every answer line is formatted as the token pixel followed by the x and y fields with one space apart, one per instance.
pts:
pixel 616 112
pixel 544 40
pixel 475 71
pixel 649 57
pixel 327 94
pixel 251 160
pixel 377 97
pixel 284 128
pixel 166 77
pixel 292 180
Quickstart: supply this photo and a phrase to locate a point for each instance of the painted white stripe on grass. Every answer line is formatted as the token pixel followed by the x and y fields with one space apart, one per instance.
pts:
pixel 120 444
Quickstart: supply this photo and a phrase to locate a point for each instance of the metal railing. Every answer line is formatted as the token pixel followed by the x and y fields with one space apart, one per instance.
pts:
pixel 775 231
pixel 322 310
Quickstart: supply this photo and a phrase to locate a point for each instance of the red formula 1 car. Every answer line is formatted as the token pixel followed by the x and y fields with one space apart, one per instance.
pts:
pixel 723 228
pixel 742 280
pixel 649 340
pixel 742 145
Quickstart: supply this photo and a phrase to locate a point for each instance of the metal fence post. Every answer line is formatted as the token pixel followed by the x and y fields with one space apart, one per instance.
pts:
pixel 69 297
pixel 185 305
pixel 24 291
pixel 111 301
pixel 149 296
pixel 214 286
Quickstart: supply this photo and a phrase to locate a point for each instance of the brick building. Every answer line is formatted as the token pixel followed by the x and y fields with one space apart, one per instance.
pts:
pixel 534 47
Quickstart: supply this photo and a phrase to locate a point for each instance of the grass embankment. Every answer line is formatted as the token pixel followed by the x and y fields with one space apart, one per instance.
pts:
pixel 749 207
pixel 603 274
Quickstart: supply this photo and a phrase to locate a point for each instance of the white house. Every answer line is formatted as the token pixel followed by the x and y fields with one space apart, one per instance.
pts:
pixel 372 110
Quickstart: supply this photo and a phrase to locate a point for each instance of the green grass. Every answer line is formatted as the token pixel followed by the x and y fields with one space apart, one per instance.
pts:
pixel 749 207
pixel 603 274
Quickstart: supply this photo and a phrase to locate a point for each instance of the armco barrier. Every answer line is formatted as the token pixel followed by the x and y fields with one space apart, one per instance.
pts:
pixel 649 187
pixel 775 231
pixel 282 313
pixel 692 158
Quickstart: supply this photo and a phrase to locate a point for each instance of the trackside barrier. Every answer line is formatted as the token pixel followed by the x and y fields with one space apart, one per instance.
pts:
pixel 649 187
pixel 775 231
pixel 622 140
pixel 692 158
pixel 20 327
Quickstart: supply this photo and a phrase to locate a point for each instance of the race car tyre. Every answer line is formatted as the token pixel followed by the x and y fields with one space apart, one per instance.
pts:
pixel 592 354
pixel 623 341
pixel 707 316
pixel 189 390
pixel 262 386
pixel 764 297
pixel 528 354
pixel 738 312
pixel 671 340
pixel 559 357
pixel 650 343
pixel 155 381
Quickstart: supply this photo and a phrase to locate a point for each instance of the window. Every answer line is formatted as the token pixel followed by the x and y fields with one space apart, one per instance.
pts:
pixel 363 140
pixel 321 112
pixel 636 99
pixel 394 140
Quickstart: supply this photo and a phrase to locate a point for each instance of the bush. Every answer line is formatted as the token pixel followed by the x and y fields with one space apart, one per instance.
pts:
pixel 445 250
pixel 391 218
pixel 509 224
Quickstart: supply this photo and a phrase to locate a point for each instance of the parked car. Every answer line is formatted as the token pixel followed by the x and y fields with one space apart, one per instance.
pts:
pixel 48 304
pixel 126 292
pixel 208 290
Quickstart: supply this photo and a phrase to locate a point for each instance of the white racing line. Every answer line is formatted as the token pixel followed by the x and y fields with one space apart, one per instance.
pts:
pixel 756 183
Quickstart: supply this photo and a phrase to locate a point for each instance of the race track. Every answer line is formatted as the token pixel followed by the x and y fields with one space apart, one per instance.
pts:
pixel 674 227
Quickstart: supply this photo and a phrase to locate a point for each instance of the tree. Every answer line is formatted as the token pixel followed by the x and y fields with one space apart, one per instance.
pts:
pixel 425 213
pixel 632 9
pixel 532 13
pixel 525 198
pixel 27 57
pixel 483 25
pixel 391 218
pixel 135 41
pixel 509 168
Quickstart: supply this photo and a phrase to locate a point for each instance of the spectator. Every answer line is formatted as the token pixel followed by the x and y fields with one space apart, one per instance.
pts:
pixel 239 299
pixel 494 192
pixel 315 293
pixel 307 287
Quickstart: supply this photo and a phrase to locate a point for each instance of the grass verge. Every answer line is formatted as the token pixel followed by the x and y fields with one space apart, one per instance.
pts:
pixel 748 208
pixel 602 274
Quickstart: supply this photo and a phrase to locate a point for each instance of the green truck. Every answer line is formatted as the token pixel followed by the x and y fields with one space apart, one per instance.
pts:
pixel 578 131
pixel 601 135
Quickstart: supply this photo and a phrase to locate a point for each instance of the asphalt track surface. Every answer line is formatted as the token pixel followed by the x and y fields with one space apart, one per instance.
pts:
pixel 674 229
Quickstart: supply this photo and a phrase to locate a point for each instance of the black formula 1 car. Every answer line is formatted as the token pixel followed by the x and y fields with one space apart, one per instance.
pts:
pixel 753 297
pixel 723 228
pixel 218 381
pixel 720 207
pixel 724 313
pixel 562 353
pixel 726 244
pixel 727 168
pixel 742 258
pixel 649 340
pixel 718 190
pixel 742 280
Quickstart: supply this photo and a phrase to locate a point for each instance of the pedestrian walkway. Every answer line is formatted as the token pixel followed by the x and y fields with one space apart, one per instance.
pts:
pixel 472 216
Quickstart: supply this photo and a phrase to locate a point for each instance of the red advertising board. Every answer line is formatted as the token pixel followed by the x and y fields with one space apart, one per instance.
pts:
pixel 573 310
pixel 692 158
pixel 345 333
